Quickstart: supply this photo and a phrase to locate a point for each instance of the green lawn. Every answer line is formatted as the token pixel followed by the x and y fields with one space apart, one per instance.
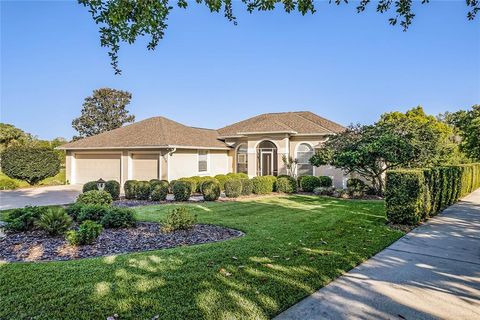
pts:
pixel 293 246
pixel 55 180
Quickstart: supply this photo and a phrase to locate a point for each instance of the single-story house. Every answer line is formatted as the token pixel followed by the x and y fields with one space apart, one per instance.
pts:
pixel 159 148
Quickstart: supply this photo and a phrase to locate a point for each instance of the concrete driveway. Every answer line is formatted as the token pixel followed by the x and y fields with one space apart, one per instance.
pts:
pixel 431 273
pixel 40 196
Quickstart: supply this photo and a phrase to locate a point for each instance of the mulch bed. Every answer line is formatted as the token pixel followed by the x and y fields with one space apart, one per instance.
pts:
pixel 38 246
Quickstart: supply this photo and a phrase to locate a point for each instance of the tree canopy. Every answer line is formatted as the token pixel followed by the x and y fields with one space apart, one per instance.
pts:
pixel 397 140
pixel 11 135
pixel 467 126
pixel 126 20
pixel 104 110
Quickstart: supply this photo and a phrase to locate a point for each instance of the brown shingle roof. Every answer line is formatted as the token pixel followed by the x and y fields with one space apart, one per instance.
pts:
pixel 301 122
pixel 152 132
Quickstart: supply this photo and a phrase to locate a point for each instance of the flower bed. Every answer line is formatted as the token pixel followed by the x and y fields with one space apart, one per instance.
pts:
pixel 38 246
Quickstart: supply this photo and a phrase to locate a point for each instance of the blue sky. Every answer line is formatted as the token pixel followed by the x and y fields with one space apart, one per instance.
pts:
pixel 207 72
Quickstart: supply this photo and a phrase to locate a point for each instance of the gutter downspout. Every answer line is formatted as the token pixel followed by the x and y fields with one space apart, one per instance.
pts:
pixel 169 154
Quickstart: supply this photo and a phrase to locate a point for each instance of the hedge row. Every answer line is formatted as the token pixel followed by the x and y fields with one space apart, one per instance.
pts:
pixel 417 194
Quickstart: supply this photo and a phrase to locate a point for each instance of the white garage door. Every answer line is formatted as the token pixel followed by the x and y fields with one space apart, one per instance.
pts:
pixel 145 166
pixel 91 167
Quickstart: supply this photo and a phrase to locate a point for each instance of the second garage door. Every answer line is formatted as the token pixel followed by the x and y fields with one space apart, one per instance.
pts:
pixel 91 167
pixel 145 166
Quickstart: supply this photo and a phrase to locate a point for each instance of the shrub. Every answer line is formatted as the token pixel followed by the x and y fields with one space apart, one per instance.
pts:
pixel 356 188
pixel 159 191
pixel 273 181
pixel 286 185
pixel 239 175
pixel 404 196
pixel 142 190
pixel 119 218
pixel 31 164
pixel 182 191
pixel 205 179
pixel 74 210
pixel 129 188
pixel 233 188
pixel 324 191
pixel 191 181
pixel 247 187
pixel 211 190
pixel 325 181
pixel 170 186
pixel 113 187
pixel 179 219
pixel 92 212
pixel 8 184
pixel 262 185
pixel 55 221
pixel 309 183
pixel 154 181
pixel 24 219
pixel 96 197
pixel 89 186
pixel 87 233
pixel 222 178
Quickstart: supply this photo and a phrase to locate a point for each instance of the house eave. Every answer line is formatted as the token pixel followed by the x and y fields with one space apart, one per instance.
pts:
pixel 143 147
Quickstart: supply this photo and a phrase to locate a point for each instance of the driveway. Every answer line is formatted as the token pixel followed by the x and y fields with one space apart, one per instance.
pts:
pixel 40 196
pixel 431 273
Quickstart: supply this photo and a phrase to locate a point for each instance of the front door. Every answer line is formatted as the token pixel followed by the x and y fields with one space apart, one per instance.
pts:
pixel 267 163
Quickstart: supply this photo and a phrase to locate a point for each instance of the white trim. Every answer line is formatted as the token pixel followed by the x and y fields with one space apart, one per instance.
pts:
pixel 236 156
pixel 144 147
pixel 268 132
pixel 264 139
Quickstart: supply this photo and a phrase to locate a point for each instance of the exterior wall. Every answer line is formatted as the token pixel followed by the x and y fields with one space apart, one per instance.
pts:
pixel 184 163
pixel 68 167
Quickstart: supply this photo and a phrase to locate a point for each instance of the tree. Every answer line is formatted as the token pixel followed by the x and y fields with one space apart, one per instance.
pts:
pixel 397 140
pixel 126 20
pixel 103 111
pixel 467 126
pixel 29 163
pixel 291 165
pixel 11 135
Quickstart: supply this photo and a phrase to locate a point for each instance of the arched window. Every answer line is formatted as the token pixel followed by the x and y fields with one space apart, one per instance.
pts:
pixel 304 153
pixel 242 158
pixel 267 159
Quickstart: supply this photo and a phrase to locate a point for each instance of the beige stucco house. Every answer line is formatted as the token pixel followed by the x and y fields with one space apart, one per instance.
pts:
pixel 159 148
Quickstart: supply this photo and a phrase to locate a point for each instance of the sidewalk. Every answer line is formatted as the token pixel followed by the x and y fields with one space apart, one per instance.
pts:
pixel 431 273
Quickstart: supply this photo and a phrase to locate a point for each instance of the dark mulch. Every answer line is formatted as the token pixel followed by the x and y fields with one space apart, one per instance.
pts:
pixel 38 246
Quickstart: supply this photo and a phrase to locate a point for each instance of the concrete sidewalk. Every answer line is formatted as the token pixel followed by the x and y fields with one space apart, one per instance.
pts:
pixel 431 273
pixel 41 196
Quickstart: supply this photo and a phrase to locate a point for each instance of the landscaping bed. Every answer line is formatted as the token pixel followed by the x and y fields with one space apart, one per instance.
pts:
pixel 38 246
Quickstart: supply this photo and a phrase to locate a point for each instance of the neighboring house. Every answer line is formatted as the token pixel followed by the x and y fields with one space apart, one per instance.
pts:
pixel 159 148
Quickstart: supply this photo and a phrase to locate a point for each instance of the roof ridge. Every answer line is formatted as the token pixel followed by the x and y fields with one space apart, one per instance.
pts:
pixel 299 115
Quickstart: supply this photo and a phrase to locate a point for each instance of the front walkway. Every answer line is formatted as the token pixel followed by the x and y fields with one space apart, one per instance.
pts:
pixel 431 273
pixel 41 196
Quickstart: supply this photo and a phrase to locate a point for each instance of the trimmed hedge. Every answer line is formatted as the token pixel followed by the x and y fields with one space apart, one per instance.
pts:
pixel 159 191
pixel 211 190
pixel 129 188
pixel 142 190
pixel 96 197
pixel 182 190
pixel 309 183
pixel 111 186
pixel 325 181
pixel 286 185
pixel 262 185
pixel 233 188
pixel 412 195
pixel 247 187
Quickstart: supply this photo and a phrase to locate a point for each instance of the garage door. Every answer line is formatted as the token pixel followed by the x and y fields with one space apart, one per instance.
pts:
pixel 145 166
pixel 91 167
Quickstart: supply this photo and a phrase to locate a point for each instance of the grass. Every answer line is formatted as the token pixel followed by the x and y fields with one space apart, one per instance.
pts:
pixel 293 246
pixel 58 179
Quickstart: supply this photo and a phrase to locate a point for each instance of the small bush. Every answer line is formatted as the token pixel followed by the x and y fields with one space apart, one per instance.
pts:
pixel 87 233
pixel 324 191
pixel 273 181
pixel 286 185
pixel 170 186
pixel 89 186
pixel 247 187
pixel 55 221
pixel 309 183
pixel 92 212
pixel 182 191
pixel 262 185
pixel 142 190
pixel 95 197
pixel 113 187
pixel 119 218
pixel 24 219
pixel 31 164
pixel 159 191
pixel 404 196
pixel 74 210
pixel 191 181
pixel 233 188
pixel 211 190
pixel 8 184
pixel 356 188
pixel 205 179
pixel 129 189
pixel 222 178
pixel 325 181
pixel 239 175
pixel 179 219
pixel 154 181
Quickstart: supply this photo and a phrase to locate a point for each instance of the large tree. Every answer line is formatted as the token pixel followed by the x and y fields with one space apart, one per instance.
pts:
pixel 467 126
pixel 397 140
pixel 104 110
pixel 11 135
pixel 126 20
